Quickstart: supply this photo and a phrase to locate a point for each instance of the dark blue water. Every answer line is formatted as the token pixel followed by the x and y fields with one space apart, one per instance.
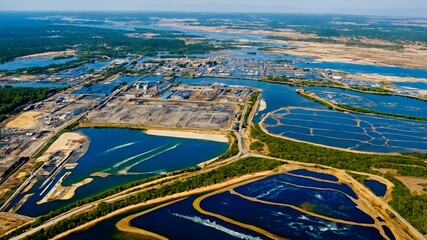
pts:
pixel 332 128
pixel 96 65
pixel 153 78
pixel 313 183
pixel 388 232
pixel 284 221
pixel 105 229
pixel 417 85
pixel 378 188
pixel 33 62
pixel 322 201
pixel 128 155
pixel 182 221
pixel 381 103
pixel 127 79
pixel 38 84
pixel 368 69
pixel 319 175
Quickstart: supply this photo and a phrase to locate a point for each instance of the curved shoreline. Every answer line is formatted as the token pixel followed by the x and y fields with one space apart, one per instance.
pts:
pixel 124 224
pixel 188 135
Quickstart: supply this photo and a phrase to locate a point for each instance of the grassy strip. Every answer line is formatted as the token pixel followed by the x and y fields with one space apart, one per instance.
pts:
pixel 372 89
pixel 412 208
pixel 254 99
pixel 236 169
pixel 232 151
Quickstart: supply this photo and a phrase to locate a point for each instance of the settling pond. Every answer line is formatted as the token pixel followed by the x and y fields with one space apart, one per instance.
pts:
pixel 300 204
pixel 127 156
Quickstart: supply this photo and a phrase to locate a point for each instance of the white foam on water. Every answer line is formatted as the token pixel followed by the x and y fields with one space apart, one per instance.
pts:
pixel 213 224
pixel 126 169
pixel 121 146
pixel 135 156
pixel 269 192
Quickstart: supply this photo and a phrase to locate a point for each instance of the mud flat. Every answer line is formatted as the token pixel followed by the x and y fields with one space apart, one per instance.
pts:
pixel 26 120
pixel 188 135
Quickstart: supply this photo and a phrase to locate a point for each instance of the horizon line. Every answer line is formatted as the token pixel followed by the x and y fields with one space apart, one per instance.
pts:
pixel 230 12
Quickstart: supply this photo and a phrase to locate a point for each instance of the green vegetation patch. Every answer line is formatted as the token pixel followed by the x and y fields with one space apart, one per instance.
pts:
pixel 232 151
pixel 13 100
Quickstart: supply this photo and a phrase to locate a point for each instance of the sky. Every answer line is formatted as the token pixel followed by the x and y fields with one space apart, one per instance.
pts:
pixel 370 7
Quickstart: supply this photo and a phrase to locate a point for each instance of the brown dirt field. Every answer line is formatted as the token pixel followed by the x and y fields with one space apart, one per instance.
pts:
pixel 67 142
pixel 50 54
pixel 25 120
pixel 410 182
pixel 9 221
pixel 413 184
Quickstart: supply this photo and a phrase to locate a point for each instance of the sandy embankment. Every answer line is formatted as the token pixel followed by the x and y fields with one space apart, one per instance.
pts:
pixel 50 54
pixel 381 78
pixel 262 105
pixel 25 120
pixel 124 225
pixel 70 191
pixel 188 135
pixel 67 142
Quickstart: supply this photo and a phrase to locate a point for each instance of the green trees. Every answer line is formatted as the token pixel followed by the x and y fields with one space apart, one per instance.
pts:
pixel 12 100
pixel 412 208
pixel 254 98
pixel 233 150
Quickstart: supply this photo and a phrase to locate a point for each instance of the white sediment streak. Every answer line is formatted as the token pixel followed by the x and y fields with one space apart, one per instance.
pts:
pixel 44 190
pixel 213 224
pixel 126 169
pixel 120 146
pixel 134 157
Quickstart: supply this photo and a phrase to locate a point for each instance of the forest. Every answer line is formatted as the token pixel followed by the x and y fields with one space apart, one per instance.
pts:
pixel 91 43
pixel 12 99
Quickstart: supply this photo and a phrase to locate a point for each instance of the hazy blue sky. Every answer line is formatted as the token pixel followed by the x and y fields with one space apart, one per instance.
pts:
pixel 394 7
